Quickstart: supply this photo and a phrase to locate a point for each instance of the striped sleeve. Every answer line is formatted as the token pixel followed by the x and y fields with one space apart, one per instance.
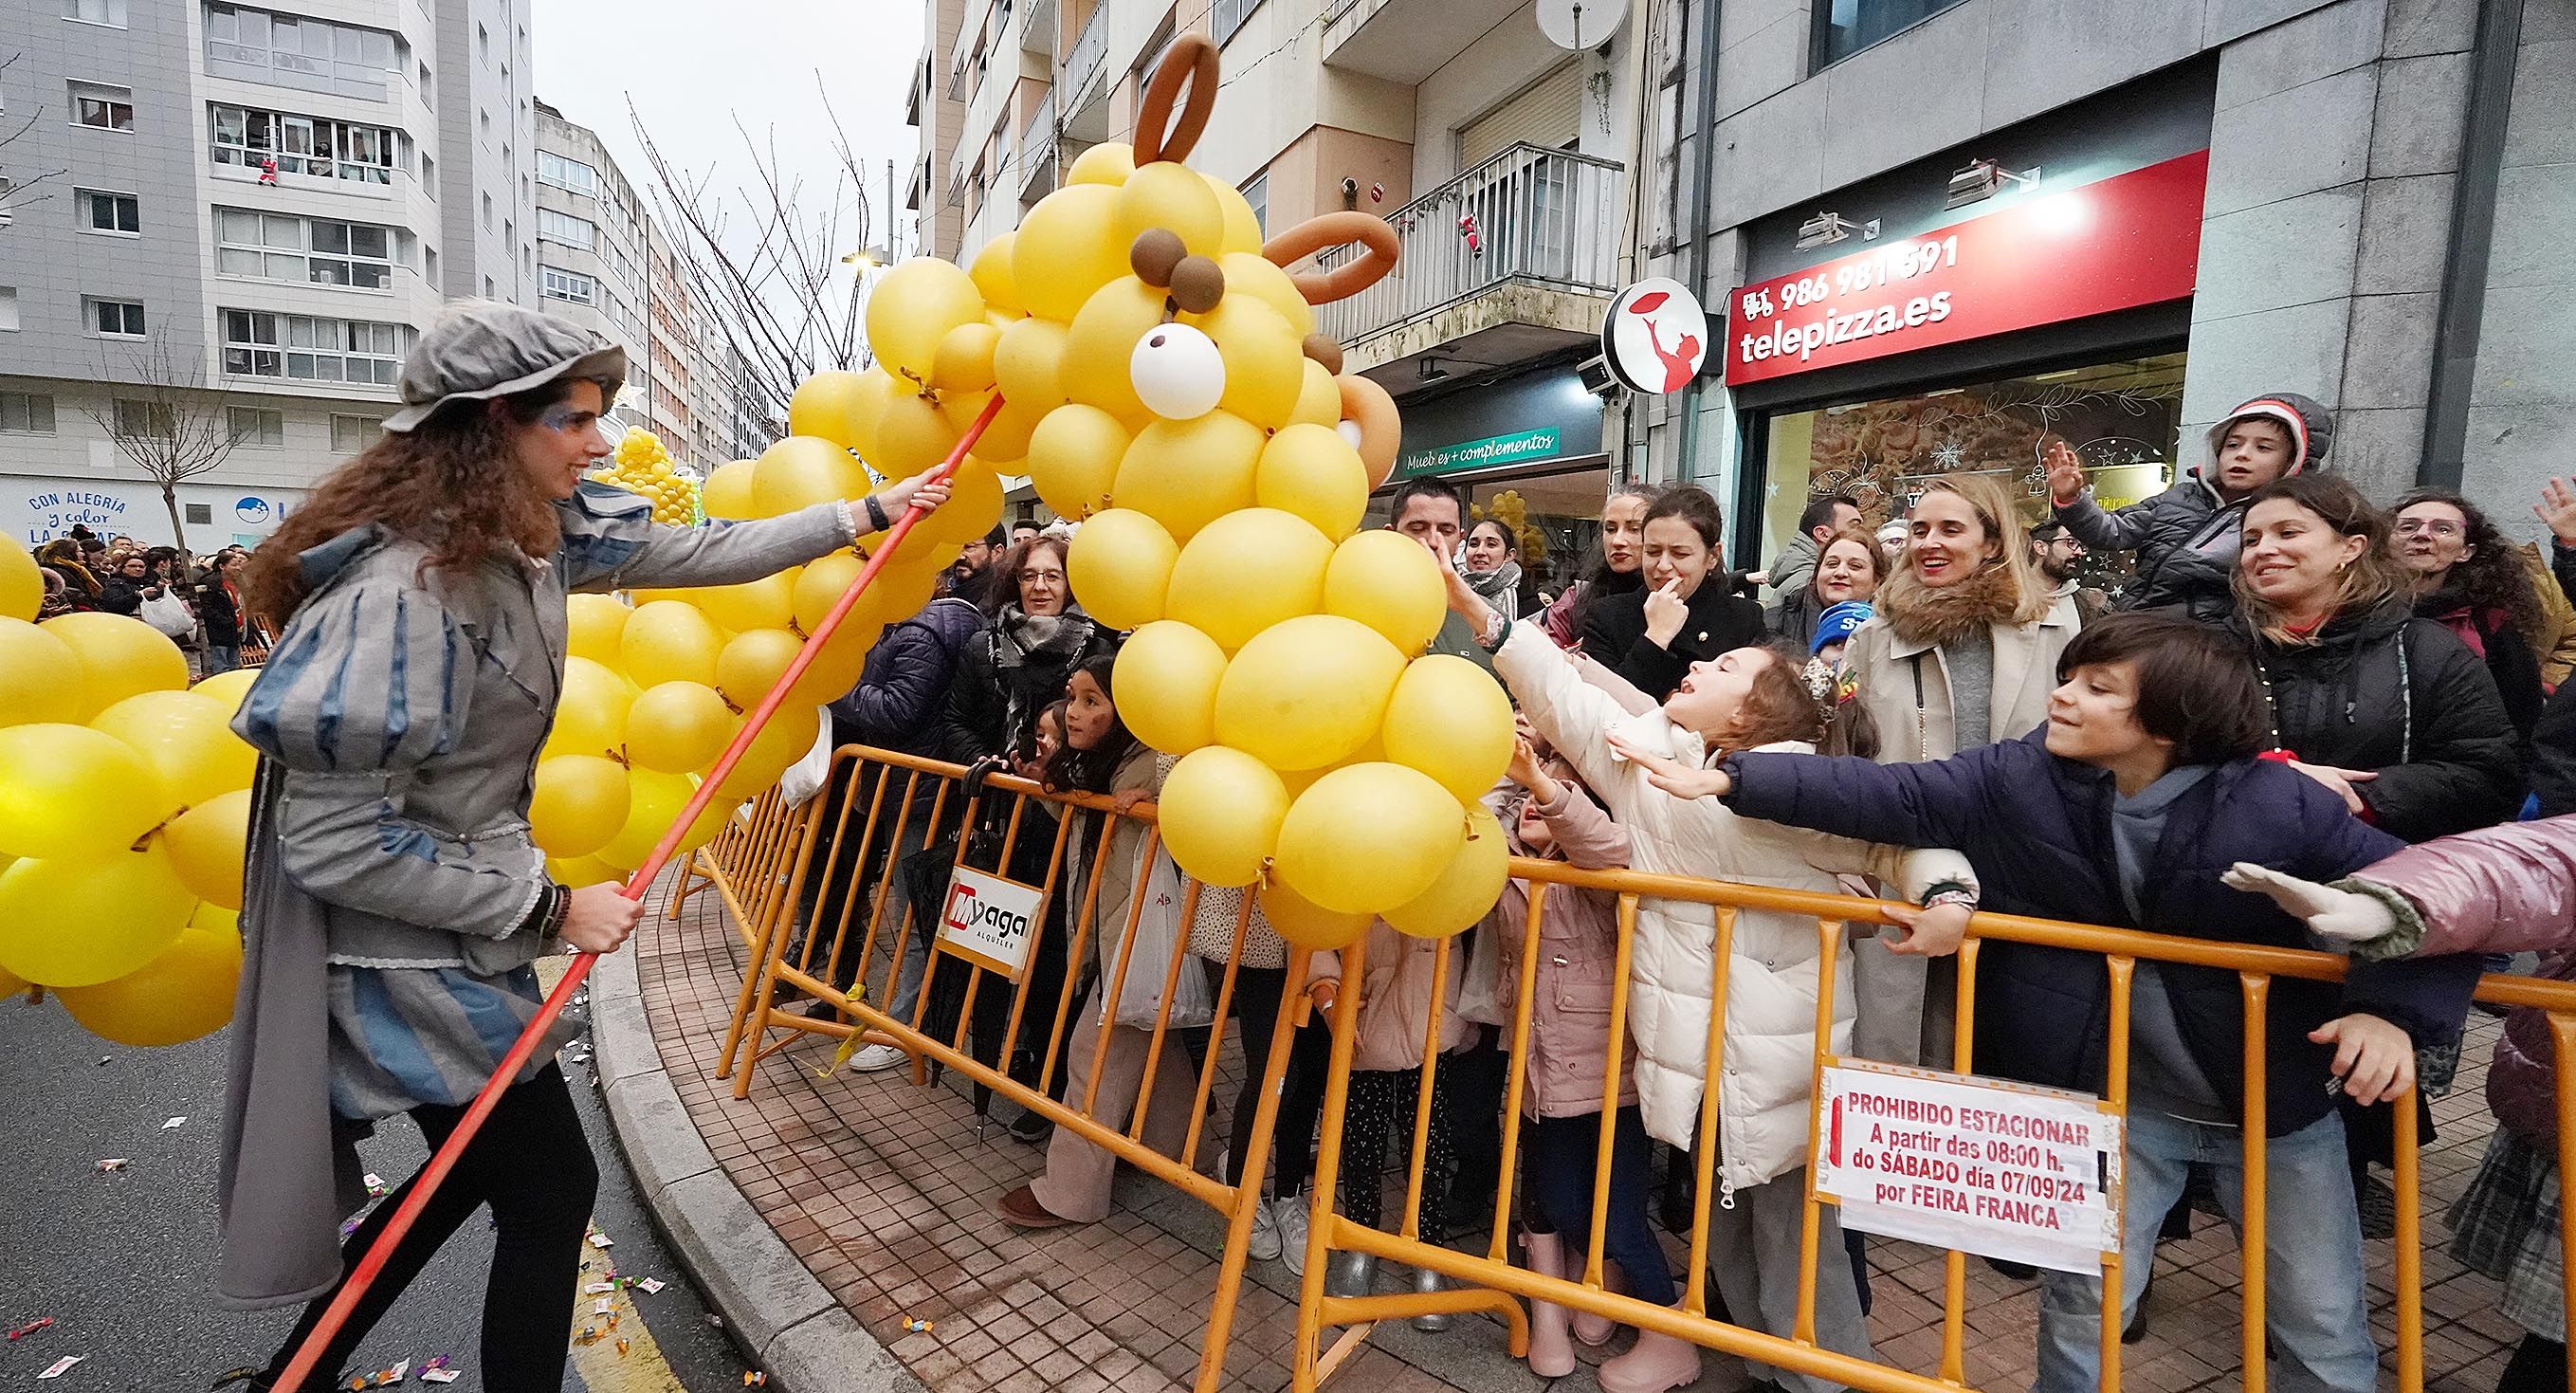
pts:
pixel 610 542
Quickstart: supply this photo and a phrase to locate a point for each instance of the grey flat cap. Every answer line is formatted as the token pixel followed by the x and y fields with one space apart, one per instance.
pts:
pixel 481 349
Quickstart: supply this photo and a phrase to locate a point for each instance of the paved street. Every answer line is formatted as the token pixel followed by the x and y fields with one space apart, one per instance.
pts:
pixel 123 1262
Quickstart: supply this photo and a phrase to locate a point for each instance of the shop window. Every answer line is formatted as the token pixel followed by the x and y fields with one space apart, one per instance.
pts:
pixel 2123 419
pixel 1845 27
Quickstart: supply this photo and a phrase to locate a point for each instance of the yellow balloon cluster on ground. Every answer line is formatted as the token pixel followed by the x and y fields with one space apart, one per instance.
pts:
pixel 124 810
pixel 642 466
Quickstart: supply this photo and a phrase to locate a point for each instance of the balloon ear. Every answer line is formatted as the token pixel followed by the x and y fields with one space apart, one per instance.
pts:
pixel 1332 230
pixel 1189 59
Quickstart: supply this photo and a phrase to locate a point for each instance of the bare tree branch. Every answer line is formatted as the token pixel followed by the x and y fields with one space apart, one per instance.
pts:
pixel 166 422
pixel 14 189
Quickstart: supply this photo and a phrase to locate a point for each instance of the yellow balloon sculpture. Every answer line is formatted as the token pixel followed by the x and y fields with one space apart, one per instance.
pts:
pixel 1220 813
pixel 22 587
pixel 1369 837
pixel 185 992
pixel 207 847
pixel 70 791
pixel 39 677
pixel 120 908
pixel 118 657
pixel 1166 680
pixel 1466 888
pixel 579 804
pixel 186 738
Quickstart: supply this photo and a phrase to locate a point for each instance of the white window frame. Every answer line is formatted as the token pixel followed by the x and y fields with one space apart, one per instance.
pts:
pixel 318 147
pixel 574 287
pixel 93 306
pixel 259 437
pixel 311 348
pixel 105 94
pixel 557 170
pixel 85 212
pixel 1256 194
pixel 110 13
pixel 154 418
pixel 566 230
pixel 287 250
pixel 8 309
pixel 363 430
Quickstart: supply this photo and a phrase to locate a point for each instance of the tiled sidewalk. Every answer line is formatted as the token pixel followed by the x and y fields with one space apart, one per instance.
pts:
pixel 883 1189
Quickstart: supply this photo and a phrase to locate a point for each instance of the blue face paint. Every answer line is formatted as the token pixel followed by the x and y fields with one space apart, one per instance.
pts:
pixel 564 416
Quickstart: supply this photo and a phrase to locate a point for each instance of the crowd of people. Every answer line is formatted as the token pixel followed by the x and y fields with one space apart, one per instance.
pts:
pixel 197 601
pixel 1956 706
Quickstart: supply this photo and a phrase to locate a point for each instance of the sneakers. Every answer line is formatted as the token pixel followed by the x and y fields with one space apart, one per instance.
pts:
pixel 876 1059
pixel 1265 1232
pixel 1289 1213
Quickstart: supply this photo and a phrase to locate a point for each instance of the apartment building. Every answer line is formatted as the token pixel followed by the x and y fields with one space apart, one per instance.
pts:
pixel 592 233
pixel 246 211
pixel 931 106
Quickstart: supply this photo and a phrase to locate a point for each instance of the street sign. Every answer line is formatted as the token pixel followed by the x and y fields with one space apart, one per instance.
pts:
pixel 1655 336
pixel 990 921
pixel 2009 1170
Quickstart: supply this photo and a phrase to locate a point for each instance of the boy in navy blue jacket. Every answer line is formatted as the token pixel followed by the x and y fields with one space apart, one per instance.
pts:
pixel 2125 810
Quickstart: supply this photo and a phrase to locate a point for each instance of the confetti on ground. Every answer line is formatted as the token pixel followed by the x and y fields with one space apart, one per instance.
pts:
pixel 598 1288
pixel 60 1366
pixel 602 1241
pixel 29 1328
pixel 112 1164
pixel 916 1327
pixel 602 1306
pixel 755 1379
pixel 650 1286
pixel 439 1376
pixel 173 1122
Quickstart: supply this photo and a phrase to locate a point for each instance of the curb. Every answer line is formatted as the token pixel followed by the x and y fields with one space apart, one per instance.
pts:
pixel 783 1319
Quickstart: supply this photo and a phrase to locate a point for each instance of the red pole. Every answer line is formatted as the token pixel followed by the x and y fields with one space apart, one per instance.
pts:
pixel 427 1182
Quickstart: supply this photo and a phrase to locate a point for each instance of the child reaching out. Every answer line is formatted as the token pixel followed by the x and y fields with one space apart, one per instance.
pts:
pixel 2129 808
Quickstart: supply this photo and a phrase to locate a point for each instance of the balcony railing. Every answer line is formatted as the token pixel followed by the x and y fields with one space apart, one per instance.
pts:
pixel 1037 149
pixel 1090 53
pixel 1527 215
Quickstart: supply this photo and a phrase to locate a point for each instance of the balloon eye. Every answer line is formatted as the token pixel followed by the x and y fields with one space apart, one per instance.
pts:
pixel 1178 373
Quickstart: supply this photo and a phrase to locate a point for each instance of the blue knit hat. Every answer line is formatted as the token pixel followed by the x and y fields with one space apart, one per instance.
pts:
pixel 1836 624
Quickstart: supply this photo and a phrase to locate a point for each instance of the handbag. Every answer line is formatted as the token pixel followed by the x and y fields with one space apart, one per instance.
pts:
pixel 170 614
pixel 1156 939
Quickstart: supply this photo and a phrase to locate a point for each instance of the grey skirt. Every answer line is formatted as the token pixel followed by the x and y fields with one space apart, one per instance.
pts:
pixel 2506 1226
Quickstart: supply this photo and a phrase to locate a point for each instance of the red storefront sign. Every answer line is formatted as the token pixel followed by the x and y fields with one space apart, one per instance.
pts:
pixel 2129 240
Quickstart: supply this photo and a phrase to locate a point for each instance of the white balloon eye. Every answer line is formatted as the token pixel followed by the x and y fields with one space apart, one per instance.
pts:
pixel 1350 432
pixel 1177 372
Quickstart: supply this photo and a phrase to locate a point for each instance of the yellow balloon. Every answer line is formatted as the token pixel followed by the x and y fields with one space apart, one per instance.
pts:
pixel 964 359
pixel 912 436
pixel 1306 924
pixel 1102 340
pixel 803 470
pixel 39 677
pixel 826 405
pixel 73 921
pixel 1006 439
pixel 1246 571
pixel 118 657
pixel 754 604
pixel 1264 369
pixel 579 803
pixel 1467 888
pixel 1319 400
pixel 22 587
pixel 1242 229
pixel 897 591
pixel 785 740
pixel 974 505
pixel 1314 473
pixel 1120 567
pixel 677 727
pixel 1171 195
pixel 1250 273
pixel 991 273
pixel 837 665
pixel 1166 683
pixel 727 491
pixel 1109 162
pixel 1220 812
pixel 1450 719
pixel 752 662
pixel 1067 247
pixel 208 844
pixel 590 711
pixel 184 993
pixel 1028 362
pixel 669 641
pixel 70 791
pixel 595 624
pixel 1368 838
pixel 579 871
pixel 1387 581
pixel 1307 692
pixel 1187 474
pixel 655 800
pixel 1073 457
pixel 227 688
pixel 913 306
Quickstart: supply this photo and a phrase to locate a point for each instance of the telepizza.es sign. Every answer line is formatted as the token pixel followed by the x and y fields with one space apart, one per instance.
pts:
pixel 2119 243
pixel 990 921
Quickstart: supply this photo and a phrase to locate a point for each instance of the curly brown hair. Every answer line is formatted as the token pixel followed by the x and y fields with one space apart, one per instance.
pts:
pixel 454 482
pixel 2491 578
pixel 1781 706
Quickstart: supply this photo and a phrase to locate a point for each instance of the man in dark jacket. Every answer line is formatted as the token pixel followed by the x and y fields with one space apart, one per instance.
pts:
pixel 2186 537
pixel 2127 810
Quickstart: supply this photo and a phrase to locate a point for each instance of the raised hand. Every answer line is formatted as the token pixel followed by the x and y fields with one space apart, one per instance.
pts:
pixel 2557 507
pixel 1666 612
pixel 2065 474
pixel 2337 916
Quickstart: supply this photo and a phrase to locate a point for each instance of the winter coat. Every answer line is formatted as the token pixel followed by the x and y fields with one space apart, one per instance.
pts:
pixel 1790 571
pixel 2404 698
pixel 1614 633
pixel 1395 1000
pixel 2186 537
pixel 903 692
pixel 2522 1080
pixel 1766 1085
pixel 2039 830
pixel 398 722
pixel 220 610
pixel 120 595
pixel 995 698
pixel 2491 636
pixel 1121 867
pixel 1794 617
pixel 1578 958
pixel 1905 682
pixel 2554 642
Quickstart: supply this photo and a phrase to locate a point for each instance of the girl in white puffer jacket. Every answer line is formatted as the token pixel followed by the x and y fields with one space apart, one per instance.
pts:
pixel 1748 698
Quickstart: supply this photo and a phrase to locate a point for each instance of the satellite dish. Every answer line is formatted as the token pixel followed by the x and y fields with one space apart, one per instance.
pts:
pixel 1581 24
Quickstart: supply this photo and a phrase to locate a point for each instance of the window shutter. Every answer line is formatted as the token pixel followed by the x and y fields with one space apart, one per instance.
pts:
pixel 1548 114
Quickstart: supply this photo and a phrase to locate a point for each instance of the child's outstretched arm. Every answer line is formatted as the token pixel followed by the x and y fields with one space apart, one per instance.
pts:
pixel 1940 803
pixel 2505 889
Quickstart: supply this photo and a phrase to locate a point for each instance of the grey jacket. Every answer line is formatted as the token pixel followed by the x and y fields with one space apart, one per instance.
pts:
pixel 398 722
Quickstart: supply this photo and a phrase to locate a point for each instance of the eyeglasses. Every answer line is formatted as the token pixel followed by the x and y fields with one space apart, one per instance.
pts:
pixel 2438 527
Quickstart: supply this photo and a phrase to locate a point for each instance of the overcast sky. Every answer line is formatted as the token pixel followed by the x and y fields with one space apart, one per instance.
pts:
pixel 692 68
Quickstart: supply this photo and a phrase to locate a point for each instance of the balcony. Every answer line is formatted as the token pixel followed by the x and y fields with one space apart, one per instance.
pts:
pixel 1037 27
pixel 1406 40
pixel 1534 276
pixel 1084 81
pixel 1037 151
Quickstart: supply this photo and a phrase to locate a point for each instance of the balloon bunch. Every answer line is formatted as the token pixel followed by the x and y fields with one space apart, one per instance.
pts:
pixel 1186 409
pixel 124 808
pixel 642 466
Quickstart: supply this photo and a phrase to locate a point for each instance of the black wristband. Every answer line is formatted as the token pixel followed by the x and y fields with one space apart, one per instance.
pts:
pixel 877 514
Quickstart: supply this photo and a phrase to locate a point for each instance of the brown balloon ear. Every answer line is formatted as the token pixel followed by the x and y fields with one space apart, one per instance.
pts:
pixel 1322 349
pixel 1332 230
pixel 1367 406
pixel 1190 59
pixel 1156 254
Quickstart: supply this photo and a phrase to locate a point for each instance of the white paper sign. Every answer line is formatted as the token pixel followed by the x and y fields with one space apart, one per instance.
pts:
pixel 2004 1169
pixel 990 921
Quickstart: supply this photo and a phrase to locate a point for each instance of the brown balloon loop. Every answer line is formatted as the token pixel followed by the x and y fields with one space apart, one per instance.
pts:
pixel 1189 59
pixel 1377 257
pixel 1322 348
